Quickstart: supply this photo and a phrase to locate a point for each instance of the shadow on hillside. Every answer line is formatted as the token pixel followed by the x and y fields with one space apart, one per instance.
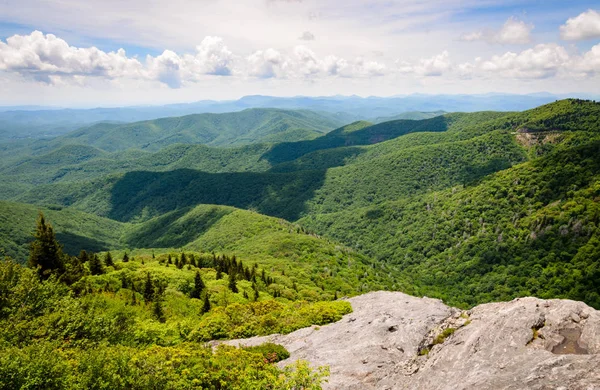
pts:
pixel 142 194
pixel 320 160
pixel 73 243
pixel 173 230
pixel 288 151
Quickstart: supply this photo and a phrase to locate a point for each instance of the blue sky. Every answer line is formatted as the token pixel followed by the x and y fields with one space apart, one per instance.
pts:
pixel 69 52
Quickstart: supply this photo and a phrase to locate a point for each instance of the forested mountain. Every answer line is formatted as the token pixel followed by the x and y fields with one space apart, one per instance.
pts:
pixel 153 251
pixel 422 197
pixel 237 128
pixel 40 122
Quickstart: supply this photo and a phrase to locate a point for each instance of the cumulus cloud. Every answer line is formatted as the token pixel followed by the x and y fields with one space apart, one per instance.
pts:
pixel 434 66
pixel 584 26
pixel 513 31
pixel 47 58
pixel 304 63
pixel 307 36
pixel 268 63
pixel 539 62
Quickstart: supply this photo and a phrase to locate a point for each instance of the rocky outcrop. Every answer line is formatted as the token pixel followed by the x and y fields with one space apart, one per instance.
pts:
pixel 396 341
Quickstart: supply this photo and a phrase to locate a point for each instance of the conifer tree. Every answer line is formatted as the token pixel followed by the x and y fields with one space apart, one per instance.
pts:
pixel 199 286
pixel 108 260
pixel 169 261
pixel 206 304
pixel 148 288
pixel 45 252
pixel 74 270
pixel 125 257
pixel 83 256
pixel 219 274
pixel 157 308
pixel 96 267
pixel 183 259
pixel 232 282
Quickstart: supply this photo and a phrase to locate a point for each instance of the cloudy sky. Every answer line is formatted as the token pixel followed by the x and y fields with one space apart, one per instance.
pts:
pixel 124 52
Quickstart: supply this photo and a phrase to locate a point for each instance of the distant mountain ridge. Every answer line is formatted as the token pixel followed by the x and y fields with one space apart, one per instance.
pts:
pixel 34 121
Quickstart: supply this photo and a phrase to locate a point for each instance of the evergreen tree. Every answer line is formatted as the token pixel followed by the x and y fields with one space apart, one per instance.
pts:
pixel 232 282
pixel 74 270
pixel 199 286
pixel 45 252
pixel 157 308
pixel 219 274
pixel 83 256
pixel 183 259
pixel 206 305
pixel 96 267
pixel 148 288
pixel 169 261
pixel 125 257
pixel 108 260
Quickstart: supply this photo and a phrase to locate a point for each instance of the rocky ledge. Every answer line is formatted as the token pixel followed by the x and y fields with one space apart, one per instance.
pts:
pixel 396 341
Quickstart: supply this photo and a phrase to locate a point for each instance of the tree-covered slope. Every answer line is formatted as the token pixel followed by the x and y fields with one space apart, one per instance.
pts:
pixel 70 163
pixel 388 172
pixel 235 128
pixel 274 243
pixel 76 230
pixel 530 230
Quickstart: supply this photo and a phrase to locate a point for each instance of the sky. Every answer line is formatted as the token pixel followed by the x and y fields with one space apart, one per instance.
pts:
pixel 129 52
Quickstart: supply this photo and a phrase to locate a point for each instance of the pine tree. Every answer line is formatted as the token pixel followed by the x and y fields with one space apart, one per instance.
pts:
pixel 157 309
pixel 232 282
pixel 74 270
pixel 169 261
pixel 183 259
pixel 45 252
pixel 199 286
pixel 83 256
pixel 96 267
pixel 219 274
pixel 148 288
pixel 108 260
pixel 125 257
pixel 206 305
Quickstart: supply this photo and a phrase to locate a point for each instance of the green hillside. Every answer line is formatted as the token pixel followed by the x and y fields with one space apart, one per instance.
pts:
pixel 51 168
pixel 385 173
pixel 280 245
pixel 380 192
pixel 75 230
pixel 236 128
pixel 411 115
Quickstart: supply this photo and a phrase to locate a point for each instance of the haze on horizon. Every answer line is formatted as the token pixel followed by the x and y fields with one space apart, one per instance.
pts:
pixel 109 53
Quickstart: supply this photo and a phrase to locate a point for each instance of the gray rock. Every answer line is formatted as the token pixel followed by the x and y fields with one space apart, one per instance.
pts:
pixel 396 341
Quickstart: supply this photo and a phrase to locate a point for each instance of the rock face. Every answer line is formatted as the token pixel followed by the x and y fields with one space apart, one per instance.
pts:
pixel 396 341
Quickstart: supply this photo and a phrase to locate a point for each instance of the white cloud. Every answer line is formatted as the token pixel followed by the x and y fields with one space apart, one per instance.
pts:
pixel 46 58
pixel 588 64
pixel 307 36
pixel 304 63
pixel 584 26
pixel 434 66
pixel 541 61
pixel 268 63
pixel 513 31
